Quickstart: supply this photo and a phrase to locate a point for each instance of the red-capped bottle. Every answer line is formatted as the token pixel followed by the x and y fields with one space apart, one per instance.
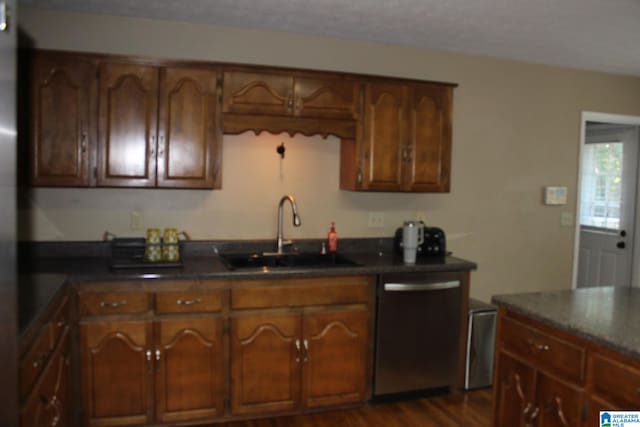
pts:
pixel 332 239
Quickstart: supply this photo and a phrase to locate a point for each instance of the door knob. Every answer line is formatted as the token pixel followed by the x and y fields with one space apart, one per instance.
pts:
pixel 620 245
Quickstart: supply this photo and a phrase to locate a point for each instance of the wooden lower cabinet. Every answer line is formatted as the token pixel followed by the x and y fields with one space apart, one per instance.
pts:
pixel 513 393
pixel 116 366
pixel 266 356
pixel 533 389
pixel 307 360
pixel 335 355
pixel 189 380
pixel 133 369
pixel 50 401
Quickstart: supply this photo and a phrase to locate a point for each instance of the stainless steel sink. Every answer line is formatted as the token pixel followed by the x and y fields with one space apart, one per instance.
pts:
pixel 293 260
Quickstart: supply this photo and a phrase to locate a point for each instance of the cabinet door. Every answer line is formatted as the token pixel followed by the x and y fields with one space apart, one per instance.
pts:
pixel 189 369
pixel 265 363
pixel 257 93
pixel 559 404
pixel 428 154
pixel 127 126
pixel 189 138
pixel 116 372
pixel 63 102
pixel 335 363
pixel 50 402
pixel 513 396
pixel 332 98
pixel 384 135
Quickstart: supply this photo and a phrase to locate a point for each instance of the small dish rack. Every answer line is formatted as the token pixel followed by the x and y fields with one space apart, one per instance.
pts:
pixel 128 253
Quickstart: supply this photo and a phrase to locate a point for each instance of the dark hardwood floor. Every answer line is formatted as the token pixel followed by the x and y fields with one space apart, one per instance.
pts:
pixel 471 409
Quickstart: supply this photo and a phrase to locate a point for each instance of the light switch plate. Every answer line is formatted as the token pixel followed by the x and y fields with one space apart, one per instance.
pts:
pixel 555 195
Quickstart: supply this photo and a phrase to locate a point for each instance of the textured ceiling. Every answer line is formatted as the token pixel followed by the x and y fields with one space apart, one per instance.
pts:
pixel 602 35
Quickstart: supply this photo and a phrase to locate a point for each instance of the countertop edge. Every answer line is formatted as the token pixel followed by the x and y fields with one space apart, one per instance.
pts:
pixel 574 330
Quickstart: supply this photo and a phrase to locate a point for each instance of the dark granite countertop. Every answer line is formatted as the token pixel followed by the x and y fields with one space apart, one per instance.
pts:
pixel 211 267
pixel 35 293
pixel 607 316
pixel 89 261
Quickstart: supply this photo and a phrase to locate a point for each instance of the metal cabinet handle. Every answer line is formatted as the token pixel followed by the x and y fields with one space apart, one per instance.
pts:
pixel 305 343
pixel 4 20
pixel 148 354
pixel 409 153
pixel 188 301
pixel 113 304
pixel 408 287
pixel 543 347
pixel 157 355
pixel 161 146
pixel 290 103
pixel 533 416
pixel 43 358
pixel 297 350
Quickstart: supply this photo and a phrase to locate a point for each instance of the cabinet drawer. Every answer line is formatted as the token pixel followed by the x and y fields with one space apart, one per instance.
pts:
pixel 91 304
pixel 59 321
pixel 188 302
pixel 47 404
pixel 615 382
pixel 300 292
pixel 546 352
pixel 34 360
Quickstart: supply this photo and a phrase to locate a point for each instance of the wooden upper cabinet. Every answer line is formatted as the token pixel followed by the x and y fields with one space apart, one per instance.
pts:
pixel 332 98
pixel 189 135
pixel 62 122
pixel 257 93
pixel 265 363
pixel 429 152
pixel 116 365
pixel 385 131
pixel 405 143
pixel 290 94
pixel 127 125
pixel 189 382
pixel 335 358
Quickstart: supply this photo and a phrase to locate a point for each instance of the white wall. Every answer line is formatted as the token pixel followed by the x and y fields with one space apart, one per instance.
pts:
pixel 516 129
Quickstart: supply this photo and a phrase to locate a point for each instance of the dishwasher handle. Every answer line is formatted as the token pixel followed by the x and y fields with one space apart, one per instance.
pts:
pixel 421 287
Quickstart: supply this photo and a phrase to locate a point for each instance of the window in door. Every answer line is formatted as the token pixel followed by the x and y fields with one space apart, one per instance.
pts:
pixel 601 191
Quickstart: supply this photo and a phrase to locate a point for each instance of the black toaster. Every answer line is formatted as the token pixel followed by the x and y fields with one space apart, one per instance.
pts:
pixel 434 245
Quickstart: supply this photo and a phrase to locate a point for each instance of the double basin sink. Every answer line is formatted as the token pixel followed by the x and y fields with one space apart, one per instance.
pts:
pixel 291 260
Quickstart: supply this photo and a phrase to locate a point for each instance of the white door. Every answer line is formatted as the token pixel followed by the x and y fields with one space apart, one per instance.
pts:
pixel 607 205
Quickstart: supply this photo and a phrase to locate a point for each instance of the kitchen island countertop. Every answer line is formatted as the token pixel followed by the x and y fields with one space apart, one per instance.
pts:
pixel 608 316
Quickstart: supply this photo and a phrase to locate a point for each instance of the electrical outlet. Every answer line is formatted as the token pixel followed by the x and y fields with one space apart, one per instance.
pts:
pixel 420 216
pixel 376 219
pixel 136 220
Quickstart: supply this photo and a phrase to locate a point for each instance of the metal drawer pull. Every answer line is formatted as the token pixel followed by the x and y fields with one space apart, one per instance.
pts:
pixel 297 350
pixel 189 301
pixel 409 287
pixel 114 304
pixel 542 347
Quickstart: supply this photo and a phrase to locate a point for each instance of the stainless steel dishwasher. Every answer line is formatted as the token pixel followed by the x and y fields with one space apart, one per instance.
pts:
pixel 417 332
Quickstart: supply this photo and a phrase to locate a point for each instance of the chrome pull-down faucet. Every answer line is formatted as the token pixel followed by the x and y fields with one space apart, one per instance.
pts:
pixel 296 220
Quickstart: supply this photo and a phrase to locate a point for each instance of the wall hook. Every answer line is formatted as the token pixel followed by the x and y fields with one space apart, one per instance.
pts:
pixel 280 150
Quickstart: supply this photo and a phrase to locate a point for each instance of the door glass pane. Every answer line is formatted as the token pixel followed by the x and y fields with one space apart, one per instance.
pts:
pixel 601 192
